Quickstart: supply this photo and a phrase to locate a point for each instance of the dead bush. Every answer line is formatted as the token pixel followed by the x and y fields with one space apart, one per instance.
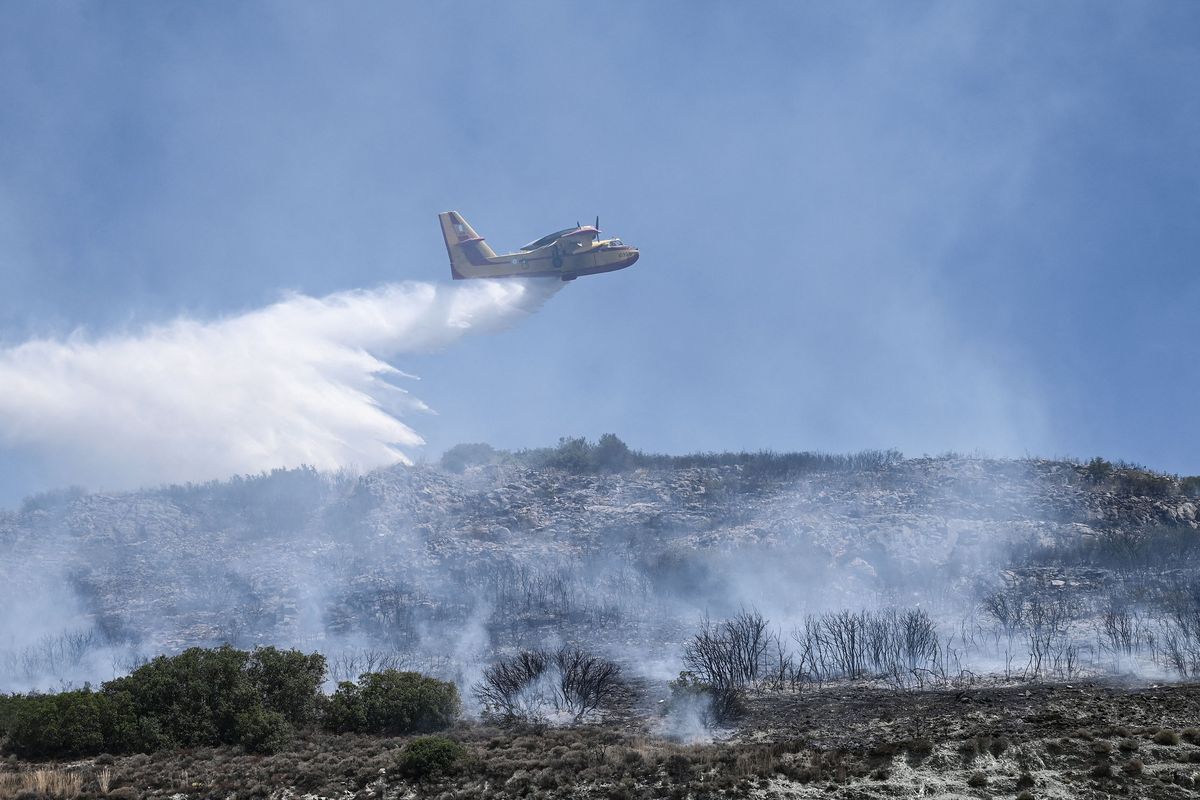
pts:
pixel 529 685
pixel 585 682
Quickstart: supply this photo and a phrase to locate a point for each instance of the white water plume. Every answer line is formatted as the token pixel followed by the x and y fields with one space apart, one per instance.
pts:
pixel 302 381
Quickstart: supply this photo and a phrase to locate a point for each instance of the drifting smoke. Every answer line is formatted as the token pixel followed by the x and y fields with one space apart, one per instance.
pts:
pixel 302 381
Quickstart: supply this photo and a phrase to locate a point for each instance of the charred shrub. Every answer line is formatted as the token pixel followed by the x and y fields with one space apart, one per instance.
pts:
pixel 512 689
pixel 392 702
pixel 585 682
pixel 694 699
pixel 430 756
pixel 533 682
pixel 723 658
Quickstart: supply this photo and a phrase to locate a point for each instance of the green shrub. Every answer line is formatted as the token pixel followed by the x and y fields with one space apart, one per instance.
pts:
pixel 430 756
pixel 193 698
pixel 289 682
pixel 611 454
pixel 461 456
pixel 1098 470
pixel 262 730
pixel 346 711
pixel 392 702
pixel 196 698
pixel 64 724
pixel 1166 737
pixel 579 456
pixel 573 455
pixel 199 697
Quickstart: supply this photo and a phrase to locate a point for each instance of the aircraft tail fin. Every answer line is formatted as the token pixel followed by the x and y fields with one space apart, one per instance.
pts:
pixel 467 249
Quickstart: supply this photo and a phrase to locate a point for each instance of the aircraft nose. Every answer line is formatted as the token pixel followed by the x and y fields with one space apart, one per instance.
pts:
pixel 632 258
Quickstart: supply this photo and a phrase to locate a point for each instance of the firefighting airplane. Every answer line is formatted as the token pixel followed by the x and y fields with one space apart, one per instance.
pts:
pixel 565 254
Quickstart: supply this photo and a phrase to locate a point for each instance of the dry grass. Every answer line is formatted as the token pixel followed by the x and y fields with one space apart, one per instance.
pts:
pixel 46 782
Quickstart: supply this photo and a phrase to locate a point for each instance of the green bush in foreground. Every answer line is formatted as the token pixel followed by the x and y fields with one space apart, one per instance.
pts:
pixel 199 697
pixel 64 724
pixel 392 702
pixel 429 756
pixel 261 730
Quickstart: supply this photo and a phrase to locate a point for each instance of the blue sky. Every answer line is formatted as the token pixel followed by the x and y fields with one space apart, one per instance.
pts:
pixel 927 226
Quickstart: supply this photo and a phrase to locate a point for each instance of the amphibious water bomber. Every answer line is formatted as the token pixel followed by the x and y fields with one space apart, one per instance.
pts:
pixel 565 254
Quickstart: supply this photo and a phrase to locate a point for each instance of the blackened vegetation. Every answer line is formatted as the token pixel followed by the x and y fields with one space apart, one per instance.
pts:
pixel 534 683
pixel 725 658
pixel 722 659
pixel 900 644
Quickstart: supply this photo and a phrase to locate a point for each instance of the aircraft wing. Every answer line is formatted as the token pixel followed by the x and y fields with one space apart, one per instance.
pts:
pixel 582 237
pixel 567 238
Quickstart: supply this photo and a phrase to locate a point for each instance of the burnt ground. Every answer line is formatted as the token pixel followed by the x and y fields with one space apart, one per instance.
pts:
pixel 849 716
pixel 1078 740
pixel 1086 740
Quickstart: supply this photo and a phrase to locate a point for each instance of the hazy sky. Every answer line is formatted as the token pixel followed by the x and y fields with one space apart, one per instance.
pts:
pixel 924 226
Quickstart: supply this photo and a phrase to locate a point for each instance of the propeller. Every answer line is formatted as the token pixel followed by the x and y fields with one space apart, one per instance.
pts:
pixel 597 222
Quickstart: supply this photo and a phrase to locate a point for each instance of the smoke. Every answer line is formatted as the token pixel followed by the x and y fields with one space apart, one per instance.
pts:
pixel 302 381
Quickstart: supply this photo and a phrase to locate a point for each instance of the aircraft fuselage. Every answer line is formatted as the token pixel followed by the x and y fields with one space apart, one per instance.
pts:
pixel 567 254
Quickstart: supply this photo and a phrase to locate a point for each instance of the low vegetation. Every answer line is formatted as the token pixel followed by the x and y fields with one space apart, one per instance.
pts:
pixel 392 702
pixel 609 454
pixel 221 696
pixel 866 743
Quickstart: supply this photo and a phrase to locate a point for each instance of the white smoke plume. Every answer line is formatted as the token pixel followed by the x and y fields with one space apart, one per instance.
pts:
pixel 302 381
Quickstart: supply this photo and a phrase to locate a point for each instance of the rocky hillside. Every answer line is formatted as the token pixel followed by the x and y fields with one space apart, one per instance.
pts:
pixel 447 567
